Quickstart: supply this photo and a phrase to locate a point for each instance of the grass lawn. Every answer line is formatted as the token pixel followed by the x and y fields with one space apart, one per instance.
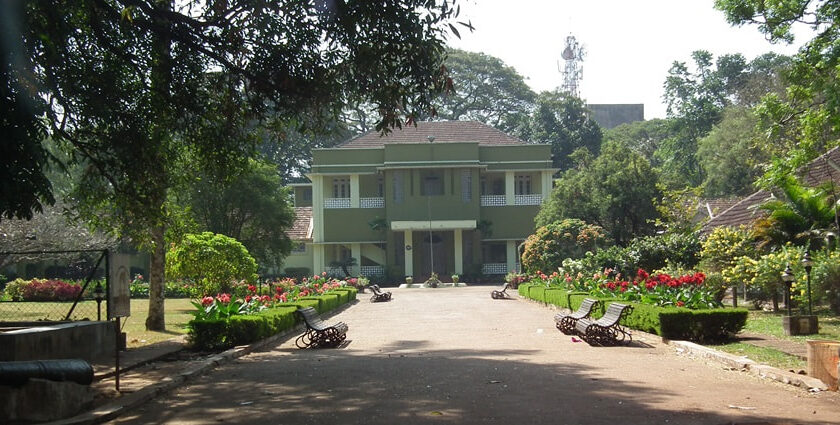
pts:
pixel 177 315
pixel 764 355
pixel 769 323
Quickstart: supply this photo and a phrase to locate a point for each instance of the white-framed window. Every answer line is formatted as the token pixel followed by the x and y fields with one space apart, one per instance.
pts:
pixel 466 185
pixel 399 189
pixel 341 187
pixel 522 184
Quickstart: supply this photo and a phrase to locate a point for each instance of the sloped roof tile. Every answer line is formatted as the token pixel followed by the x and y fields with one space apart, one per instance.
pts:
pixel 442 131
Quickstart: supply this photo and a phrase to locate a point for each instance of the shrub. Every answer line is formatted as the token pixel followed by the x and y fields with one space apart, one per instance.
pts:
pixel 825 275
pixel 213 261
pixel 701 325
pixel 546 249
pixel 14 289
pixel 49 290
pixel 654 252
pixel 214 334
pixel 724 245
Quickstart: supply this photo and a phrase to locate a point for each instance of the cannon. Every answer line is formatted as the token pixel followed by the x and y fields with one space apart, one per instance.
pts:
pixel 73 370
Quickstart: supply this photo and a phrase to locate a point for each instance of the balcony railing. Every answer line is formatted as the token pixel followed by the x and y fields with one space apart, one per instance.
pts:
pixel 492 200
pixel 494 268
pixel 378 202
pixel 337 203
pixel 372 271
pixel 533 199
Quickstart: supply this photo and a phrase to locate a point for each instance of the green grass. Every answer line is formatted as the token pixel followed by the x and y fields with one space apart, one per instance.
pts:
pixel 769 323
pixel 764 355
pixel 177 314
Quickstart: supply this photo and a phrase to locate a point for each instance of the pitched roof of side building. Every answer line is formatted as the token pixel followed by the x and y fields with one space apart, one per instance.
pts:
pixel 442 131
pixel 302 227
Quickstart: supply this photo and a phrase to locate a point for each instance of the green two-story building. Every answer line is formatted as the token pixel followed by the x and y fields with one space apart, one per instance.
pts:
pixel 453 197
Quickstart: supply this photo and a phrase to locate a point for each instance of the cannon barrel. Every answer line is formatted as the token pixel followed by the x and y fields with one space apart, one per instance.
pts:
pixel 74 370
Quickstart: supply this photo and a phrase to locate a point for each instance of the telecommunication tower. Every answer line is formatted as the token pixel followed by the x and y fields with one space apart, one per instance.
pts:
pixel 573 70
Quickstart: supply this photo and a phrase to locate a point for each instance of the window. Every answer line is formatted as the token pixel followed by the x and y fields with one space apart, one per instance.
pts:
pixel 307 194
pixel 466 185
pixel 523 185
pixel 341 187
pixel 380 186
pixel 399 189
pixel 432 183
pixel 298 248
pixel 492 184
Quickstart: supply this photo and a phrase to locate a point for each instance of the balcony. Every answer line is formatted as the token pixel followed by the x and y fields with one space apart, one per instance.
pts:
pixel 378 202
pixel 337 203
pixel 493 268
pixel 372 270
pixel 533 199
pixel 493 200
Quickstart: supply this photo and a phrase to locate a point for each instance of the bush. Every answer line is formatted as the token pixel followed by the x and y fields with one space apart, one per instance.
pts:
pixel 724 245
pixel 701 325
pixel 826 279
pixel 240 329
pixel 14 289
pixel 213 261
pixel 648 253
pixel 546 249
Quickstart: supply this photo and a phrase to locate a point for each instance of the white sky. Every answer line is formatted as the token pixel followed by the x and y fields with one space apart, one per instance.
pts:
pixel 630 45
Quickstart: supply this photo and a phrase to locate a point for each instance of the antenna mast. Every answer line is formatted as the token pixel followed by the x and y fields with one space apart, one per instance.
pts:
pixel 573 70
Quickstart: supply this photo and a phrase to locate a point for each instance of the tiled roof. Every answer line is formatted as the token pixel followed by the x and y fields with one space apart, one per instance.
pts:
pixel 821 169
pixel 442 131
pixel 302 227
pixel 711 208
pixel 743 212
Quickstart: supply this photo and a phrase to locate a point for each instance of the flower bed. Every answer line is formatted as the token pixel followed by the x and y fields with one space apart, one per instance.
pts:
pixel 43 290
pixel 223 321
pixel 672 307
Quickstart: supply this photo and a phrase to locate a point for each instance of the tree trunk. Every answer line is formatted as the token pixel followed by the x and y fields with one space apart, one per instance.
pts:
pixel 155 321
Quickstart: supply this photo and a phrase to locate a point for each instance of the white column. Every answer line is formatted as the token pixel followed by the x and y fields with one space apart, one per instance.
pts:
pixel 356 252
pixel 546 184
pixel 317 209
pixel 317 258
pixel 354 191
pixel 510 197
pixel 511 256
pixel 459 252
pixel 409 254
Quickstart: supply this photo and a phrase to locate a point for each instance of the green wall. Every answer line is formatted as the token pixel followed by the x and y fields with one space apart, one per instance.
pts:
pixel 351 224
pixel 510 222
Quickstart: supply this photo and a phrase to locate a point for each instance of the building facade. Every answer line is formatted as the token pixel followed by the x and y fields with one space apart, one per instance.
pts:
pixel 453 197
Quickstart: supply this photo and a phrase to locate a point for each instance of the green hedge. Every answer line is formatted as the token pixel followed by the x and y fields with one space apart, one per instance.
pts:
pixel 247 328
pixel 668 322
pixel 351 291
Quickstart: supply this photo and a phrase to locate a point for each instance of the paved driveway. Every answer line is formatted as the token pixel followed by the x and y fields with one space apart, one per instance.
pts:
pixel 454 355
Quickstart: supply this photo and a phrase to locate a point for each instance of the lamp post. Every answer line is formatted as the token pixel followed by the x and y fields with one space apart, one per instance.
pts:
pixel 806 261
pixel 99 296
pixel 787 277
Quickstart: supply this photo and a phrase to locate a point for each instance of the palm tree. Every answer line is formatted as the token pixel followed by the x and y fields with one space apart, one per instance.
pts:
pixel 806 216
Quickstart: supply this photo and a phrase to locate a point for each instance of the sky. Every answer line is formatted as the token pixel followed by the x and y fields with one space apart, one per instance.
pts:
pixel 630 45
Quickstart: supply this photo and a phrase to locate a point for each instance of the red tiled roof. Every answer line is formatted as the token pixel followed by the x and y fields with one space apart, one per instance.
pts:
pixel 714 207
pixel 822 169
pixel 743 212
pixel 442 131
pixel 302 227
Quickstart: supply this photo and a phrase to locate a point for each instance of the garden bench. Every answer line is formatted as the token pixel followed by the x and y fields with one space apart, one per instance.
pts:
pixel 318 333
pixel 606 330
pixel 378 295
pixel 499 294
pixel 566 322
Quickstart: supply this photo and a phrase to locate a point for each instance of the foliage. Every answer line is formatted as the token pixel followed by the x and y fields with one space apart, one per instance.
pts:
pixel 213 261
pixel 678 210
pixel 485 89
pixel 41 290
pixel 554 242
pixel 14 290
pixel 763 275
pixel 731 154
pixel 252 208
pixel 702 325
pixel 658 251
pixel 515 279
pixel 724 245
pixel 806 215
pixel 825 275
pixel 642 137
pixel 616 191
pixel 561 121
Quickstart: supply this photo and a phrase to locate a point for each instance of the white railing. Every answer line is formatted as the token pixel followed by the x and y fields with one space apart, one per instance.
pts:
pixel 337 203
pixel 372 271
pixel 335 271
pixel 494 268
pixel 492 200
pixel 378 202
pixel 534 199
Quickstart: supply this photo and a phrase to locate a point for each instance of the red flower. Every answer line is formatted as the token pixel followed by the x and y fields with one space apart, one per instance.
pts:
pixel 223 298
pixel 252 288
pixel 680 304
pixel 247 298
pixel 206 301
pixel 642 274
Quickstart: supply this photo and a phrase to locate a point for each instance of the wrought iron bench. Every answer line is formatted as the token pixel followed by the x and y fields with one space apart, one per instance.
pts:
pixel 378 295
pixel 566 322
pixel 499 294
pixel 318 333
pixel 607 330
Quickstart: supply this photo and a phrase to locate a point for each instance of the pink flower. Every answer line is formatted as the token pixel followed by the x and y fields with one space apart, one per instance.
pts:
pixel 206 301
pixel 265 298
pixel 223 298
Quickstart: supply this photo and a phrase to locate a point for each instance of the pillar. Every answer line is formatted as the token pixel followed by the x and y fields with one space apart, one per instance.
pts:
pixel 318 258
pixel 409 254
pixel 459 252
pixel 546 184
pixel 510 194
pixel 317 208
pixel 356 252
pixel 511 256
pixel 354 191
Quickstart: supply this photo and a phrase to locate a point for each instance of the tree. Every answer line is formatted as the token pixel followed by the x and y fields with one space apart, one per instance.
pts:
pixel 212 261
pixel 485 90
pixel 552 243
pixel 805 215
pixel 561 121
pixel 642 137
pixel 253 208
pixel 806 121
pixel 616 191
pixel 731 154
pixel 145 91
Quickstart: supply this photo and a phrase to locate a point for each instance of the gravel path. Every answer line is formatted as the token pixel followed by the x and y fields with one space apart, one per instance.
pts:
pixel 453 355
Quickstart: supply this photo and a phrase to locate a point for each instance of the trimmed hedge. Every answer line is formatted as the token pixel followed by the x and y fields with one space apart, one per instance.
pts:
pixel 247 328
pixel 667 322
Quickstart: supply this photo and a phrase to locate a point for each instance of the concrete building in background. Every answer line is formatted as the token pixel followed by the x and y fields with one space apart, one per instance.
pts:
pixel 613 115
pixel 452 197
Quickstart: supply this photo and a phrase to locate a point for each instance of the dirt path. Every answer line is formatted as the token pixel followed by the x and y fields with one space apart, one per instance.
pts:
pixel 457 356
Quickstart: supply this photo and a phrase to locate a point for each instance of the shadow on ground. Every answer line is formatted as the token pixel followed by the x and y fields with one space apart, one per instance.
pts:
pixel 408 383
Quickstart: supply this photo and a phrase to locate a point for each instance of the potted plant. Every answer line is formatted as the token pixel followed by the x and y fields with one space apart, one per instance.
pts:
pixel 409 280
pixel 455 278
